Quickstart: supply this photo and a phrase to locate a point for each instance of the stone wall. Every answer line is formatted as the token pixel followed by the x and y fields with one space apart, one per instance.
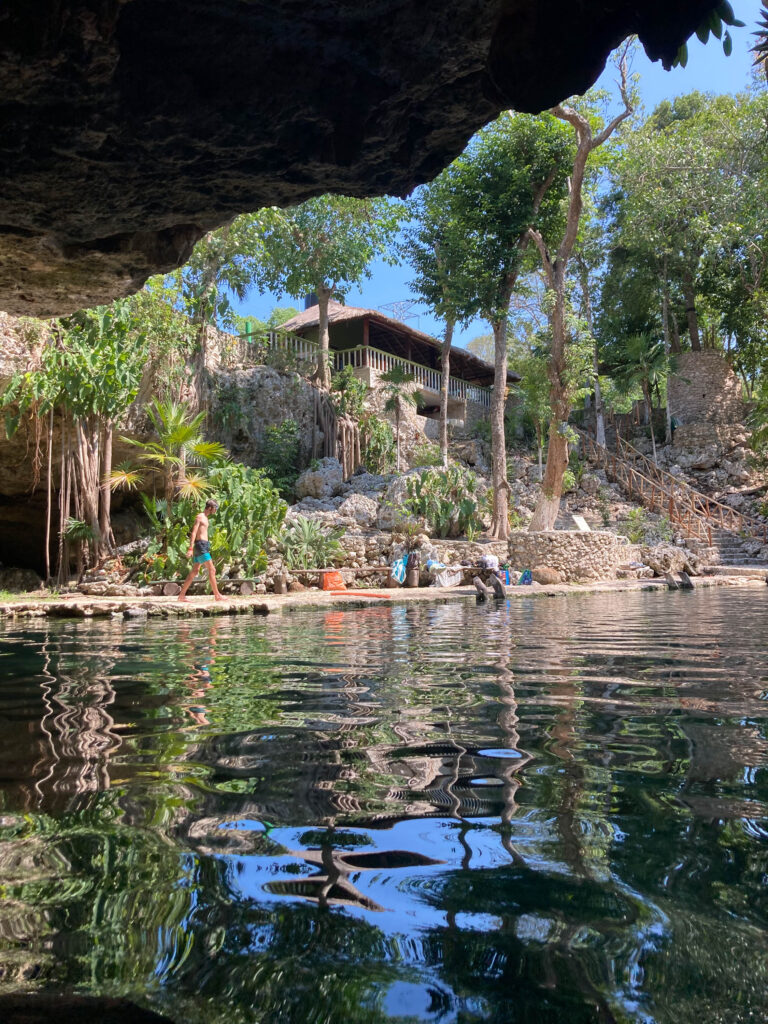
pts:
pixel 245 402
pixel 704 389
pixel 575 555
pixel 701 435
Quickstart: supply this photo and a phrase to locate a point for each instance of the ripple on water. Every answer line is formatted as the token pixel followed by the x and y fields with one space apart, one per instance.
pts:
pixel 395 811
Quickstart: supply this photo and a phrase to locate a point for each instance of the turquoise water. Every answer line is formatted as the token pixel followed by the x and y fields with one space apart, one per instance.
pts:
pixel 551 811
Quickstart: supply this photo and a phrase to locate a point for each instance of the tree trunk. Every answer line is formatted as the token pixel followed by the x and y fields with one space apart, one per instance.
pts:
pixel 445 364
pixel 649 412
pixel 599 411
pixel 105 507
pixel 689 295
pixel 500 521
pixel 87 434
pixel 323 369
pixel 397 438
pixel 665 325
pixel 48 488
pixel 548 505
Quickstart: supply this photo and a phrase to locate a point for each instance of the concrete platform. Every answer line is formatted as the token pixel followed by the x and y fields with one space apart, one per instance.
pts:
pixel 82 606
pixel 759 572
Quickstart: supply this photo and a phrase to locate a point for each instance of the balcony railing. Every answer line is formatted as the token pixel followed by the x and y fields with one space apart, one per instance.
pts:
pixel 255 349
pixel 301 354
pixel 424 376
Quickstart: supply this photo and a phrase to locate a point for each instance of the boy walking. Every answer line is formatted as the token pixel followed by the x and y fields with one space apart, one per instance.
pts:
pixel 199 551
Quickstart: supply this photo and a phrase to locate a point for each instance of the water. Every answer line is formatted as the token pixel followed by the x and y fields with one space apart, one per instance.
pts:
pixel 552 811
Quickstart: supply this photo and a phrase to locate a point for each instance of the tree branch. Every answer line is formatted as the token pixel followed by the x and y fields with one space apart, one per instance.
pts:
pixel 546 259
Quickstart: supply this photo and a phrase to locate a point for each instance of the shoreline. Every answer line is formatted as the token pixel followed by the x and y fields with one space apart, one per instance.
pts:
pixel 83 606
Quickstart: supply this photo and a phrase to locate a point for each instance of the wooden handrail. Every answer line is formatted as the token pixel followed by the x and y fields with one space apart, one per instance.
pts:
pixel 711 508
pixel 654 494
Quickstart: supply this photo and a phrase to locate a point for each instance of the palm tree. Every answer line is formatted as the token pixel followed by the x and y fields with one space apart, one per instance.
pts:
pixel 397 383
pixel 180 443
pixel 644 365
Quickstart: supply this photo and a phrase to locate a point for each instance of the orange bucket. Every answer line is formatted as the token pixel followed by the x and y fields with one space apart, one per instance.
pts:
pixel 332 581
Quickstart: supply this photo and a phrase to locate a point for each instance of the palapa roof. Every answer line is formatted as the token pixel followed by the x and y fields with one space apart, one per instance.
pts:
pixel 469 366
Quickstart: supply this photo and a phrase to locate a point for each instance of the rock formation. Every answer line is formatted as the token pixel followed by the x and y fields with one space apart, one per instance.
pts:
pixel 131 127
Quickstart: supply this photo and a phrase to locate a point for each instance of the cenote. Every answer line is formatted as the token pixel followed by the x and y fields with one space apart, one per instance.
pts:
pixel 550 810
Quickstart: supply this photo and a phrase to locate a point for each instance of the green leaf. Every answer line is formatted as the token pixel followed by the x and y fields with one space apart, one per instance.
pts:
pixel 703 31
pixel 727 44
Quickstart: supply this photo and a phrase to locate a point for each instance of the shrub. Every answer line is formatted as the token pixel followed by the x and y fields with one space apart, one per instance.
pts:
pixel 604 506
pixel 427 453
pixel 447 500
pixel 569 481
pixel 280 456
pixel 306 544
pixel 348 393
pixel 377 443
pixel 250 512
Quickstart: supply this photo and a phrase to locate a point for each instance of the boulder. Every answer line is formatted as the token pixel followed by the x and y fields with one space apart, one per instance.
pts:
pixel 590 483
pixel 546 576
pixel 19 580
pixel 664 558
pixel 323 482
pixel 363 510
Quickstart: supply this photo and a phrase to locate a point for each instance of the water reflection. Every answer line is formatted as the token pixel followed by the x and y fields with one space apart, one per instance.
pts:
pixel 541 811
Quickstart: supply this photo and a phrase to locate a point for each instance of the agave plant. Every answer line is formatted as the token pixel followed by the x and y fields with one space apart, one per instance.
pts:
pixel 307 545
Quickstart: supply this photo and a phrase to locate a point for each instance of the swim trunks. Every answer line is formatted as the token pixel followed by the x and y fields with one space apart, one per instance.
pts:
pixel 202 551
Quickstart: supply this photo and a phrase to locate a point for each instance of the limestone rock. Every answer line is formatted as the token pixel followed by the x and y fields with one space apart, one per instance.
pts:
pixel 546 576
pixel 363 510
pixel 323 482
pixel 19 580
pixel 664 558
pixel 590 483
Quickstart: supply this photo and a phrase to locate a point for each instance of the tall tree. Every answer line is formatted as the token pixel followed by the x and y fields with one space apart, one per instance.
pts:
pixel 325 246
pixel 397 386
pixel 555 264
pixel 436 247
pixel 511 177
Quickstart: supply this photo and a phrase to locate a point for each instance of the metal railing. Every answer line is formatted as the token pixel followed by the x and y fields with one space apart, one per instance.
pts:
pixel 720 516
pixel 424 376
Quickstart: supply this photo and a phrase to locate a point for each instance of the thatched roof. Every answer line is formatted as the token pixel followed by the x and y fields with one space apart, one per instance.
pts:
pixel 464 364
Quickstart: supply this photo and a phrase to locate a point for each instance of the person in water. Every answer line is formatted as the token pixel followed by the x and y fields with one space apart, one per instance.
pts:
pixel 199 551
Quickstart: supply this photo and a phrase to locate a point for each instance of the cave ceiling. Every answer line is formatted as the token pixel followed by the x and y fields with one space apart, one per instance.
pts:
pixel 131 127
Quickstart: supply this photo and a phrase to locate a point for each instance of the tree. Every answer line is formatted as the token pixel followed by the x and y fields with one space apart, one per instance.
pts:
pixel 644 366
pixel 556 268
pixel 323 246
pixel 534 390
pixel 436 248
pixel 90 369
pixel 510 177
pixel 180 443
pixel 398 389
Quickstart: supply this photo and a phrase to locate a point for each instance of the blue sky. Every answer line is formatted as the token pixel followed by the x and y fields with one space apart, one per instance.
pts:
pixel 708 70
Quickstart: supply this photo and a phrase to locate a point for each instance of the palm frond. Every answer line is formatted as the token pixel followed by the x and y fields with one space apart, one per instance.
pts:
pixel 124 477
pixel 77 530
pixel 193 486
pixel 206 451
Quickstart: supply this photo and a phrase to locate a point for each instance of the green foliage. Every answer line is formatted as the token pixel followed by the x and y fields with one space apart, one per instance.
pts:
pixel 77 530
pixel 638 528
pixel 447 500
pixel 328 241
pixel 348 393
pixel 377 441
pixel 307 544
pixel 569 481
pixel 280 454
pixel 91 365
pixel 228 406
pixel 604 505
pixel 250 512
pixel 427 453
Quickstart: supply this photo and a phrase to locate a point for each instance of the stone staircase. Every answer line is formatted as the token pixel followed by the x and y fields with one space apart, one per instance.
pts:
pixel 740 541
pixel 734 550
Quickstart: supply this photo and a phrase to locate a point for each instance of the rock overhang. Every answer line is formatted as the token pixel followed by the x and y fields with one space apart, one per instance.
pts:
pixel 132 127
